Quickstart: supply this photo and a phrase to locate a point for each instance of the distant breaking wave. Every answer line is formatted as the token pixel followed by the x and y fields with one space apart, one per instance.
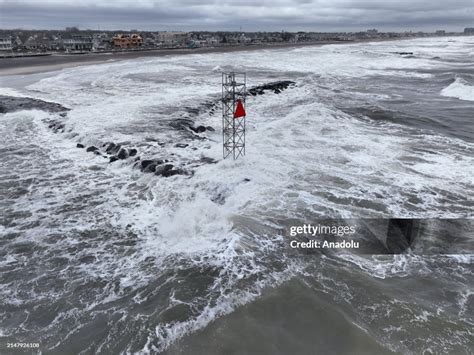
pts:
pixel 459 89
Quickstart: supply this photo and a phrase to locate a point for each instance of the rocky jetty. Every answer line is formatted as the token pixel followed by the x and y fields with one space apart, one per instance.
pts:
pixel 161 167
pixel 213 106
pixel 187 125
pixel 115 152
pixel 277 87
pixel 12 104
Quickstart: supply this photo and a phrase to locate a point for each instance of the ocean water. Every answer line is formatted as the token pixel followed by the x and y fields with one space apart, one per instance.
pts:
pixel 99 257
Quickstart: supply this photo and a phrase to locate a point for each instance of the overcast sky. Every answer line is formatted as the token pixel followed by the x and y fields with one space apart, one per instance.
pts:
pixel 231 15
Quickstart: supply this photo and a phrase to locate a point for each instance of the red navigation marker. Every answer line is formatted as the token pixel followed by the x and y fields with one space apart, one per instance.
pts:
pixel 239 111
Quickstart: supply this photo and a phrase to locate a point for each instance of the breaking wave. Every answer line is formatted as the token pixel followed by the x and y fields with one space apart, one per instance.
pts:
pixel 460 89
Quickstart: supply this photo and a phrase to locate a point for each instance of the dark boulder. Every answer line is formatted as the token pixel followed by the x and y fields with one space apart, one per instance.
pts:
pixel 163 169
pixel 172 172
pixel 79 145
pixel 198 129
pixel 113 148
pixel 150 168
pixel 145 163
pixel 112 159
pixel 123 154
pixel 132 152
pixel 109 148
pixel 168 170
pixel 91 149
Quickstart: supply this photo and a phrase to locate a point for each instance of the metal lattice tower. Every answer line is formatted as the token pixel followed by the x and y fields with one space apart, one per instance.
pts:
pixel 234 86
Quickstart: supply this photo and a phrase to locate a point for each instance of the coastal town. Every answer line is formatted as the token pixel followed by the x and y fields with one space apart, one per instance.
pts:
pixel 19 42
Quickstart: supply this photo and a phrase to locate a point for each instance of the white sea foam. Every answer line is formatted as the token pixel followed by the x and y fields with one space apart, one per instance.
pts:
pixel 386 266
pixel 11 92
pixel 460 89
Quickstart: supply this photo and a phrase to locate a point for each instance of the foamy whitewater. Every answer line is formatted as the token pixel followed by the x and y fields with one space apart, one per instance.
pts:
pixel 99 257
pixel 460 89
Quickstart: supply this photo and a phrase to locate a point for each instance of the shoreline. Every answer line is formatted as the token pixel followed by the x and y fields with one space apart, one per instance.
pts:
pixel 43 64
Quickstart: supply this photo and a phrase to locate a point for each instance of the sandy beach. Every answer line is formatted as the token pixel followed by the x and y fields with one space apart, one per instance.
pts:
pixel 40 64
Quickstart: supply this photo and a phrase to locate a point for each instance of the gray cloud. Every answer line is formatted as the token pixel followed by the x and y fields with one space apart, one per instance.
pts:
pixel 251 15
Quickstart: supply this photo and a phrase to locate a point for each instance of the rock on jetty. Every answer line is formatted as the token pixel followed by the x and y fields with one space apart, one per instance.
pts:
pixel 12 104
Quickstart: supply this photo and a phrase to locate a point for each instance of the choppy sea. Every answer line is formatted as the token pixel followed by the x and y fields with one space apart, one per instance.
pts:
pixel 100 257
